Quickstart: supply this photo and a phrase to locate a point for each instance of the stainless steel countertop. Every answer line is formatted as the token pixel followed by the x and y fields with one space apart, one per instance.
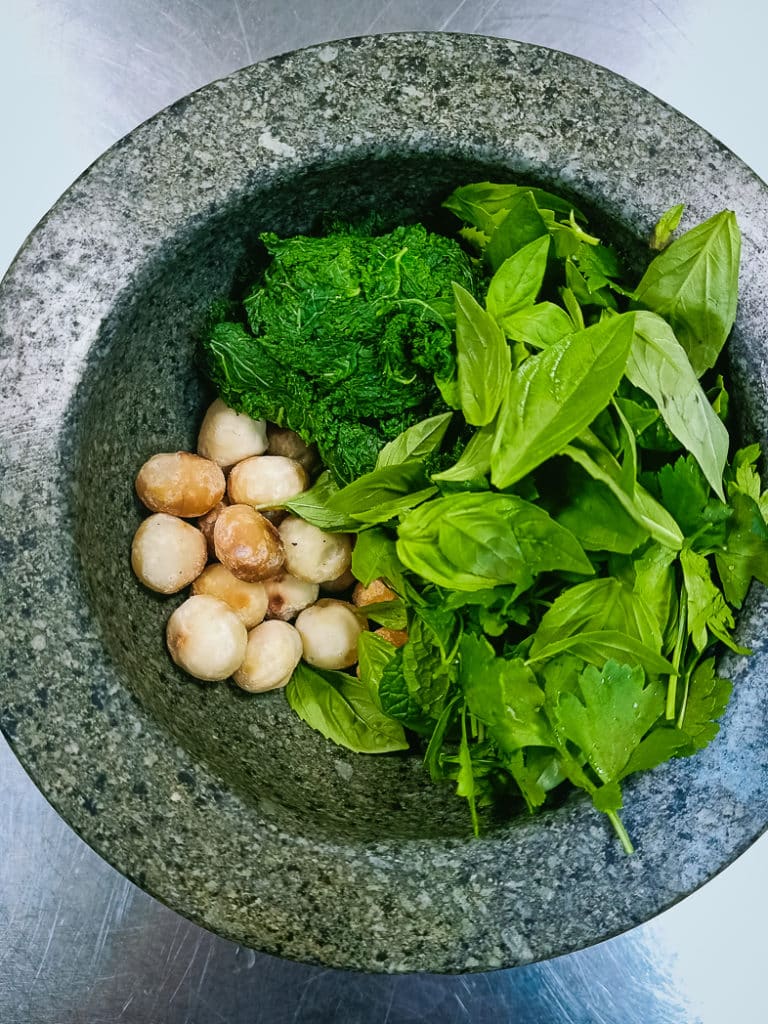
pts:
pixel 78 943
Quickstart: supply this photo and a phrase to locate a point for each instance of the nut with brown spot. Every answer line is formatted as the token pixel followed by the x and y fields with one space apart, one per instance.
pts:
pixel 288 596
pixel 180 484
pixel 248 600
pixel 396 637
pixel 247 544
pixel 283 441
pixel 206 638
pixel 207 522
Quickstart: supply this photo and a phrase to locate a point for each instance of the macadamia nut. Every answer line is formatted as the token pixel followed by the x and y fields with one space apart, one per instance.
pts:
pixel 311 554
pixel 266 481
pixel 247 544
pixel 273 652
pixel 180 484
pixel 329 632
pixel 375 592
pixel 396 637
pixel 206 638
pixel 207 522
pixel 248 600
pixel 344 582
pixel 288 596
pixel 227 436
pixel 282 441
pixel 167 553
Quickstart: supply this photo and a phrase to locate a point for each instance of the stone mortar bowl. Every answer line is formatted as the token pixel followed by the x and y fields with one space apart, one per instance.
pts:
pixel 225 806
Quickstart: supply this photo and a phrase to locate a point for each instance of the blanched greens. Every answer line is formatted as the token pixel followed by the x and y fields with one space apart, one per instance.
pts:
pixel 568 581
pixel 344 339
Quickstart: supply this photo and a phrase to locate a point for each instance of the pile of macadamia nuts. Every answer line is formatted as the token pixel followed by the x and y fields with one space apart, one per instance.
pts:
pixel 253 568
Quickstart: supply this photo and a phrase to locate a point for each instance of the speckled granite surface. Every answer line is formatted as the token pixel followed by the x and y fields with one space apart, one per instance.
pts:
pixel 225 806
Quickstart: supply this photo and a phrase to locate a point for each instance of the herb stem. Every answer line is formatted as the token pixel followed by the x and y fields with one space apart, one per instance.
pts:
pixel 684 703
pixel 621 832
pixel 676 657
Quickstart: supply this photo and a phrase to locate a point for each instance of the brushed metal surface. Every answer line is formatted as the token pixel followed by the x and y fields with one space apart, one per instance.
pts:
pixel 78 943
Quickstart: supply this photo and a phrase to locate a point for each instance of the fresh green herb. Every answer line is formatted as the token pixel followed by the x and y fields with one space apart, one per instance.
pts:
pixel 693 284
pixel 344 709
pixel 569 546
pixel 666 226
pixel 554 395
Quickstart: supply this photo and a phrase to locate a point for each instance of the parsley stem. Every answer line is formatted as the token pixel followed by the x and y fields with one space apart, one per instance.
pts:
pixel 676 657
pixel 684 702
pixel 621 832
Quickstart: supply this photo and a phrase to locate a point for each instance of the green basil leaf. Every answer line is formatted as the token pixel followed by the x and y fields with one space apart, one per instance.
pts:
pixel 539 326
pixel 475 460
pixel 656 583
pixel 638 416
pixel 416 442
pixel 574 309
pixel 374 556
pixel 312 506
pixel 391 614
pixel 596 460
pixel 382 493
pixel 483 359
pixel 693 284
pixel 476 541
pixel 518 279
pixel 554 395
pixel 594 606
pixel 604 644
pixel 344 710
pixel 484 204
pixel 659 366
pixel 522 224
pixel 432 755
pixel 374 653
pixel 598 520
pixel 665 227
